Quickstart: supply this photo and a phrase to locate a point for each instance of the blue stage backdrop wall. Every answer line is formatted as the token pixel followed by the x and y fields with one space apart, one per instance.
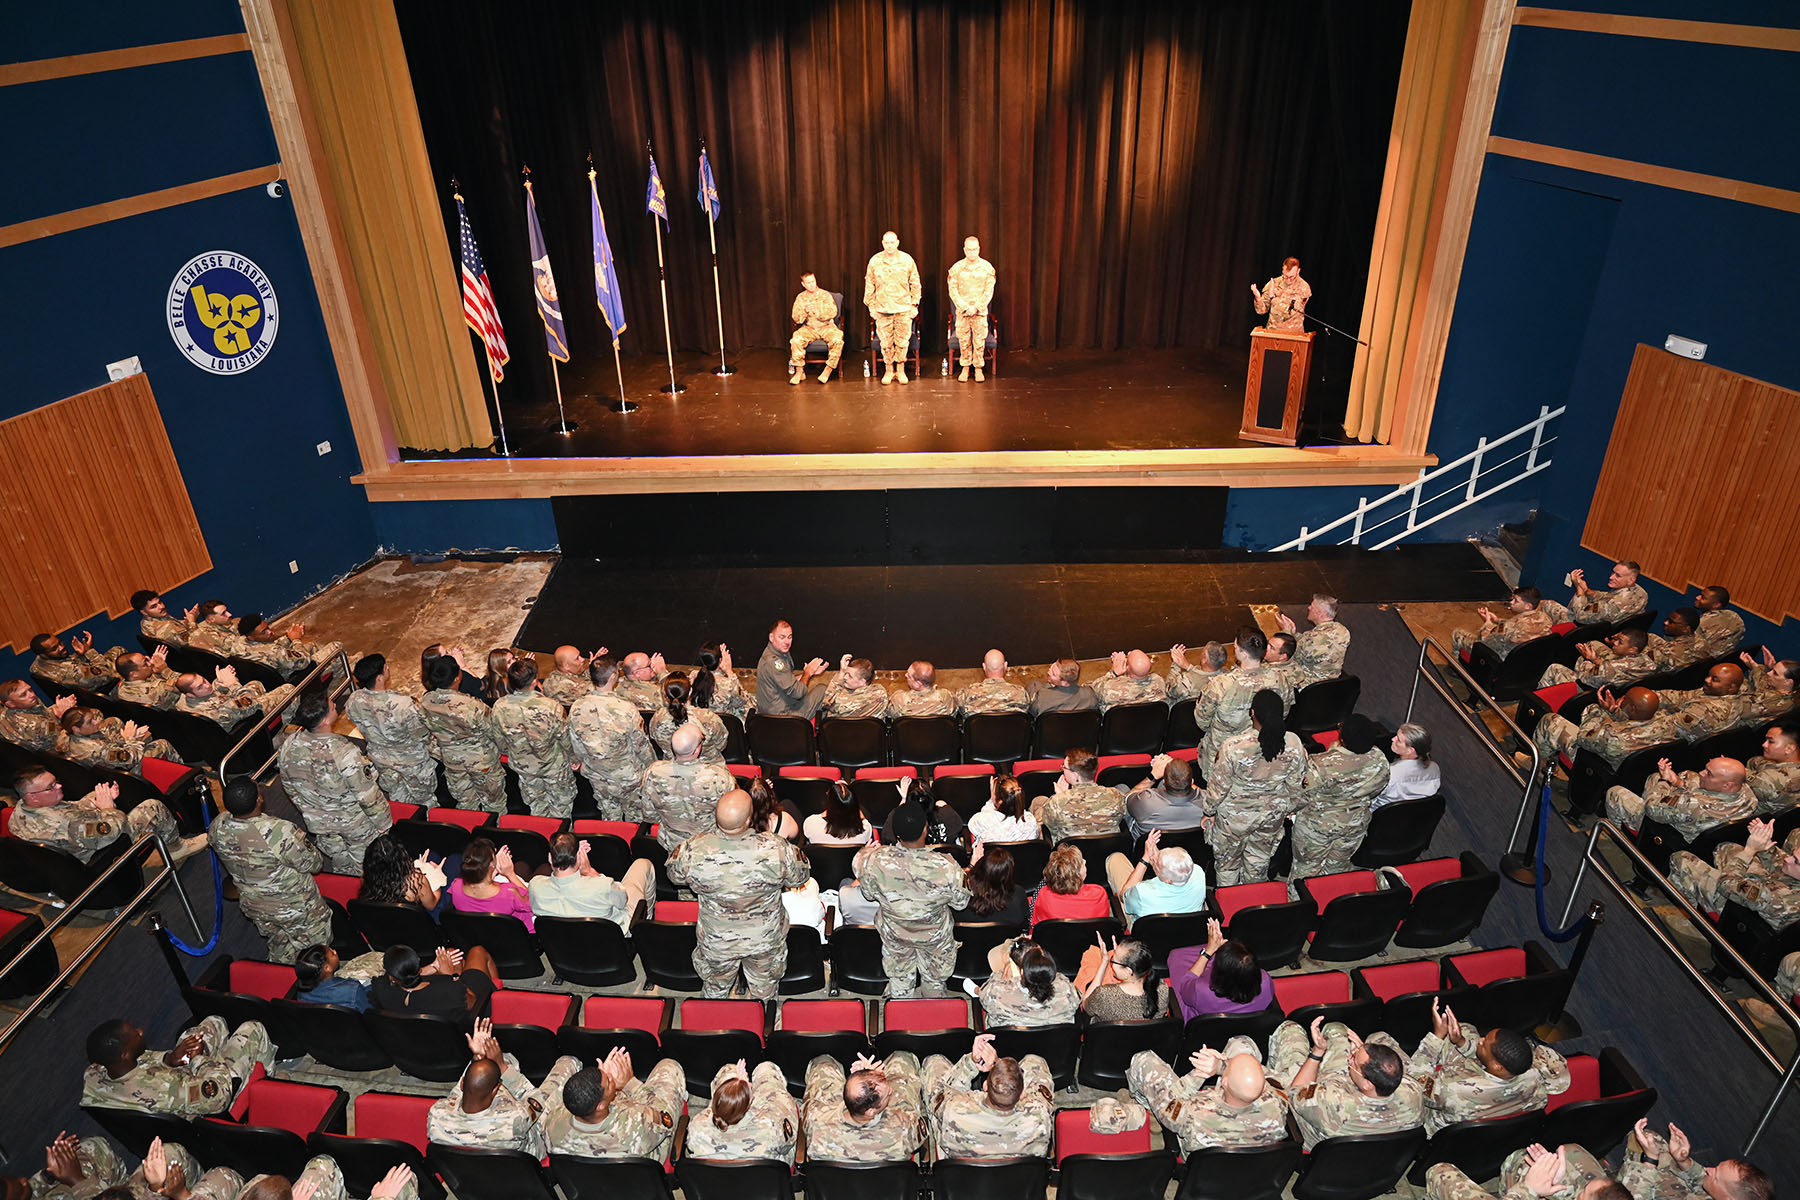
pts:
pixel 245 444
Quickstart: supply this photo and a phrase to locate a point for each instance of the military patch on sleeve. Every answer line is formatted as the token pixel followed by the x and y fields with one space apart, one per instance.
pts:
pixel 1174 1111
pixel 665 1119
pixel 209 1088
pixel 787 1130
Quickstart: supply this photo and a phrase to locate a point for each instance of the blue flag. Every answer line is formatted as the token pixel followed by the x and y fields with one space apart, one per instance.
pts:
pixel 655 200
pixel 709 191
pixel 606 280
pixel 543 284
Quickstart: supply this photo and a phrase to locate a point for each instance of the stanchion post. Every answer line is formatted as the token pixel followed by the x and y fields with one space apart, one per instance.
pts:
pixel 1563 1026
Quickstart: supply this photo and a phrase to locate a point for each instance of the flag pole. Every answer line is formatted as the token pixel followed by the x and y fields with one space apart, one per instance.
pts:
pixel 718 304
pixel 557 376
pixel 662 275
pixel 624 406
pixel 494 386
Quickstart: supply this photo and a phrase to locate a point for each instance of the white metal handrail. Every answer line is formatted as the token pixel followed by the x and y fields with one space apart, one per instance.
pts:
pixel 1472 490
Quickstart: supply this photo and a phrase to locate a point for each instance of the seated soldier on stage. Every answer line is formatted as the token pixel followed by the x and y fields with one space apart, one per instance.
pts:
pixel 815 312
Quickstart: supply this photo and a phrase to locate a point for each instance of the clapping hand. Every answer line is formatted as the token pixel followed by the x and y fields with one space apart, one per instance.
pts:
pixel 448 961
pixel 226 676
pixel 814 666
pixel 1762 836
pixel 191 613
pixel 1286 622
pixel 159 658
pixel 844 663
pixel 1680 1149
pixel 392 1184
pixel 1607 700
pixel 724 658
pixel 1178 655
pixel 1215 935
pixel 1545 1175
pixel 1650 1143
pixel 983 1052
pixel 1445 1024
pixel 1118 662
pixel 303 1189
pixel 133 732
pixel 81 642
pixel 657 665
pixel 1206 1062
pixel 1666 769
pixel 61 705
pixel 61 1158
pixel 296 632
pixel 105 795
pixel 865 1062
pixel 1487 614
pixel 503 863
pixel 1317 1030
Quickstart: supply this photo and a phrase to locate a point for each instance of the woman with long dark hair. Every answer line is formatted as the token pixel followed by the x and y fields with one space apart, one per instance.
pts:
pixel 1219 977
pixel 457 985
pixel 494 684
pixel 1126 987
pixel 391 875
pixel 685 700
pixel 841 823
pixel 1005 817
pixel 767 813
pixel 1035 994
pixel 993 894
pixel 728 695
pixel 1255 784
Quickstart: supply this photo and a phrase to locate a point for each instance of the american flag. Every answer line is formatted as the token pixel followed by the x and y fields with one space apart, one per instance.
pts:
pixel 478 300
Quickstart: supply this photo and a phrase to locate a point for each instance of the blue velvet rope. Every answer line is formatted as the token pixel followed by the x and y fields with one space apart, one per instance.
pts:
pixel 1543 914
pixel 219 915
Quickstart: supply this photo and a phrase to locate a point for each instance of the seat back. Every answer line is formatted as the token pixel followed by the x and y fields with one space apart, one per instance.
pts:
pixel 1095 848
pixel 1449 910
pixel 1520 988
pixel 1094 1176
pixel 1134 728
pixel 805 971
pixel 37 972
pixel 861 1181
pixel 856 959
pixel 1029 860
pixel 877 791
pixel 394 923
pixel 1214 1030
pixel 926 741
pixel 851 742
pixel 394 1117
pixel 1324 705
pixel 424 1045
pixel 590 951
pixel 1358 1167
pixel 990 1178
pixel 135 1128
pixel 1478 1148
pixel 1593 1114
pixel 964 788
pixel 1359 925
pixel 1067 938
pixel 334 1035
pixel 365 1161
pixel 1107 1048
pixel 1164 932
pixel 998 738
pixel 1400 832
pixel 830 865
pixel 1240 1173
pixel 1184 732
pixel 1057 733
pixel 973 941
pixel 1057 1045
pixel 1275 933
pixel 505 937
pixel 530 848
pixel 780 741
pixel 666 951
pixel 481 1174
pixel 734 1179
pixel 250 1150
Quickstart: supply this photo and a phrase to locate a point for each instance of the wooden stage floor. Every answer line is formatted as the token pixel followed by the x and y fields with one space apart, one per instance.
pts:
pixel 1035 401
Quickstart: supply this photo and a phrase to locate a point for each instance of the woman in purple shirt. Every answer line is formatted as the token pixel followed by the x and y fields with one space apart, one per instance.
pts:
pixel 1219 977
pixel 489 883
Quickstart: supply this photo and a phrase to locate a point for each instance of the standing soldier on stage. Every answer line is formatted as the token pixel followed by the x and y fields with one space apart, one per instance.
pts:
pixel 971 291
pixel 891 293
pixel 815 312
pixel 393 729
pixel 272 862
pixel 740 874
pixel 535 737
pixel 608 738
pixel 332 785
pixel 464 738
pixel 1284 298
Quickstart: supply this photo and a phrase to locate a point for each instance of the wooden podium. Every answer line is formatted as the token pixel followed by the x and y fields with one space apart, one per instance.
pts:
pixel 1279 364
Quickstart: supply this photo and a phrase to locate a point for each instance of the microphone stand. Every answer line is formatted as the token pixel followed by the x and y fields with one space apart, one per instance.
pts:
pixel 1317 436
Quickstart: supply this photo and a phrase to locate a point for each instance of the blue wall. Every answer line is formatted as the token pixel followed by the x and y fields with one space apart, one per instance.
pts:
pixel 80 300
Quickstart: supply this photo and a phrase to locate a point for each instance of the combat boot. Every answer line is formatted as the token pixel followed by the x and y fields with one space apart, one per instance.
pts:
pixel 963 375
pixel 980 377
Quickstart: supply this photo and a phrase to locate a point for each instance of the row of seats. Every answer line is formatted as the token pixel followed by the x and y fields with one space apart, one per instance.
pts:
pixel 1517 674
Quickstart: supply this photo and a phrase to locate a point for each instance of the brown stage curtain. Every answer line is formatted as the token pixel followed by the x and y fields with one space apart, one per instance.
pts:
pixel 1130 168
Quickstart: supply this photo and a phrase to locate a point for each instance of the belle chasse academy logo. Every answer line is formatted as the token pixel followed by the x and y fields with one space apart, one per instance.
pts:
pixel 222 312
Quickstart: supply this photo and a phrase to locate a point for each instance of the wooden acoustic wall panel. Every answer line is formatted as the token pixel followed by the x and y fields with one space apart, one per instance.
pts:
pixel 1688 490
pixel 96 509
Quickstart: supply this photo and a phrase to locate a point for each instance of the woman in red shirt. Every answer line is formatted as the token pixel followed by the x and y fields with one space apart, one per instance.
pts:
pixel 1066 892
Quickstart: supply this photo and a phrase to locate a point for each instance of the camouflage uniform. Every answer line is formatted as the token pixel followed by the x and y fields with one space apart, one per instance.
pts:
pixel 1513 632
pixel 894 1133
pixel 81 827
pixel 1787 977
pixel 229 705
pixel 1186 683
pixel 891 290
pixel 608 737
pixel 972 286
pixel 729 695
pixel 1334 809
pixel 156 691
pixel 204 1085
pixel 565 688
pixel 965 1125
pixel 110 749
pixel 34 728
pixel 1332 1106
pixel 1284 300
pixel 680 797
pixel 466 740
pixel 1776 784
pixel 1085 809
pixel 1319 653
pixel 991 696
pixel 287 656
pixel 90 669
pixel 869 700
pixel 739 880
pixel 1757 882
pixel 1198 1115
pixel 215 638
pixel 326 1179
pixel 646 694
pixel 1459 1088
pixel 1224 707
pixel 534 736
pixel 1614 739
pixel 768 1129
pixel 712 731
pixel 1444 1181
pixel 1662 1179
pixel 917 890
pixel 815 312
pixel 1607 670
pixel 272 863
pixel 1678 652
pixel 334 787
pixel 100 1169
pixel 507 1123
pixel 926 702
pixel 220 1183
pixel 1004 1001
pixel 1698 715
pixel 1719 634
pixel 173 630
pixel 639 1123
pixel 1599 606
pixel 1688 809
pixel 1250 799
pixel 1115 691
pixel 397 743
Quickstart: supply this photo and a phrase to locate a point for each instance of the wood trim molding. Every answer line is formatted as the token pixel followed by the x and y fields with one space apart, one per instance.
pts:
pixel 39 70
pixel 1670 177
pixel 131 206
pixel 528 478
pixel 1713 33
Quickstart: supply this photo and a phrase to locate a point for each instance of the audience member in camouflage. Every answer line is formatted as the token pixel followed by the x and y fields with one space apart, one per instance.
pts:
pixel 873 1115
pixel 1340 1085
pixel 534 736
pixel 568 680
pixel 1773 689
pixel 289 653
pixel 394 734
pixel 75 664
pixel 606 1112
pixel 26 721
pixel 1012 1114
pixel 1223 711
pixel 1334 799
pixel 1622 659
pixel 607 735
pixel 891 292
pixel 1502 635
pixel 158 1175
pixel 1474 1078
pixel 1719 704
pixel 154 621
pixel 921 697
pixel 325 1179
pixel 74 1169
pixel 916 890
pixel 713 734
pixel 1613 728
pixel 224 700
pixel 464 738
pixel 1758 876
pixel 728 691
pixel 1787 977
pixel 1252 790
pixel 272 862
pixel 1721 630
pixel 1079 807
pixel 993 692
pixel 815 315
pixel 1187 680
pixel 680 794
pixel 1245 1108
pixel 1568 1173
pixel 1008 998
pixel 110 743
pixel 216 631
pixel 146 680
pixel 198 1076
pixel 1655 1169
pixel 640 680
pixel 493 1106
pixel 1130 681
pixel 1320 655
pixel 739 874
pixel 84 827
pixel 751 1116
pixel 1690 802
pixel 853 694
pixel 1626 599
pixel 1775 773
pixel 332 785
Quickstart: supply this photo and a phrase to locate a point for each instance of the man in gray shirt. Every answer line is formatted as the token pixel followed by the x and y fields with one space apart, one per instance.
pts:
pixel 1061 690
pixel 1166 800
pixel 781 690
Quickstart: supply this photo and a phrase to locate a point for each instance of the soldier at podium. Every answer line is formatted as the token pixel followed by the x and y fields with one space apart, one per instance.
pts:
pixel 1284 298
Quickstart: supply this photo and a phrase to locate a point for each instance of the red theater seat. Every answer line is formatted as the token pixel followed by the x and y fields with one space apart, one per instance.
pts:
pixel 678 912
pixel 551 1010
pixel 823 1016
pixel 702 1015
pixel 831 774
pixel 1074 1137
pixel 1234 899
pixel 945 1013
pixel 549 827
pixel 404 812
pixel 876 774
pixel 341 888
pixel 1319 987
pixel 271 981
pixel 625 830
pixel 469 818
pixel 397 1118
pixel 648 1013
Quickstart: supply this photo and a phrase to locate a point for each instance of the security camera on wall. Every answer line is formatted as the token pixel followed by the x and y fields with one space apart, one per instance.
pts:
pixel 276 189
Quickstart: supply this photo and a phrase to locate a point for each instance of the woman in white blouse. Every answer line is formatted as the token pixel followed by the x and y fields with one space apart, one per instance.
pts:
pixel 1005 817
pixel 841 823
pixel 1413 776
